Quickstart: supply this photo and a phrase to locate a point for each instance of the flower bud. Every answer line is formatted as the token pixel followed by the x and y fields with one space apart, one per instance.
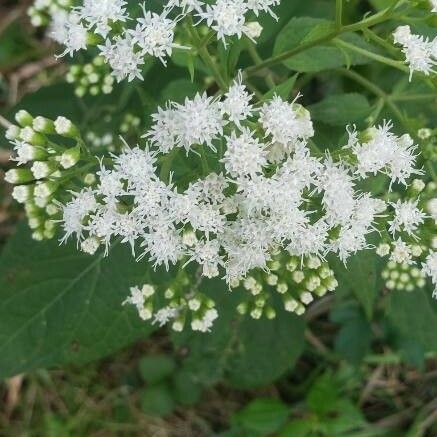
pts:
pixel 43 125
pixel 270 313
pixel 65 127
pixel 253 29
pixel 19 176
pixel 90 245
pixel 42 169
pixel 45 189
pixel 23 118
pixel 290 304
pixel 22 193
pixel 51 209
pixel 30 136
pixel 12 132
pixel 70 157
pixel 306 297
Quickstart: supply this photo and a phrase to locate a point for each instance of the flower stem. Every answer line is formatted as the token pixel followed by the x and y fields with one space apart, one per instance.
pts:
pixel 377 18
pixel 338 13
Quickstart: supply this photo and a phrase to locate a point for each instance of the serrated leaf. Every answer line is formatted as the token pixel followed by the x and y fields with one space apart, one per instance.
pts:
pixel 60 306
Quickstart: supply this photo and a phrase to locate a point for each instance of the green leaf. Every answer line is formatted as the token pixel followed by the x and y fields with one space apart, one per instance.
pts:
pixel 361 277
pixel 230 350
pixel 415 316
pixel 263 415
pixel 304 30
pixel 60 306
pixel 323 394
pixel 157 401
pixel 283 90
pixel 355 335
pixel 341 109
pixel 155 368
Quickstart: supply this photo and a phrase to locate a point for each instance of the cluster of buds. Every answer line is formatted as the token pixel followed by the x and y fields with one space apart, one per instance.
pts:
pixel 403 277
pixel 42 12
pixel 42 165
pixel 180 306
pixel 129 123
pixel 93 78
pixel 296 280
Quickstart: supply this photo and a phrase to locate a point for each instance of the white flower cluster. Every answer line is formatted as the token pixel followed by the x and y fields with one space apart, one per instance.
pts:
pixel 248 207
pixel 379 150
pixel 420 52
pixel 200 309
pixel 125 41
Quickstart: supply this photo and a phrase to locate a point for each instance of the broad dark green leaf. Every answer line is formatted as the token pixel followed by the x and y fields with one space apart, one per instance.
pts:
pixel 341 109
pixel 304 30
pixel 230 350
pixel 361 277
pixel 415 315
pixel 59 306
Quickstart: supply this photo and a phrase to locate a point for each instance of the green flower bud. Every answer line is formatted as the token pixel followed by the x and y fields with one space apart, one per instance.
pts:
pixel 66 128
pixel 282 288
pixel 43 169
pixel 242 308
pixel 270 313
pixel 45 189
pixel 23 118
pixel 70 157
pixel 19 176
pixel 43 125
pixel 28 135
pixel 298 276
pixel 256 313
pixel 290 304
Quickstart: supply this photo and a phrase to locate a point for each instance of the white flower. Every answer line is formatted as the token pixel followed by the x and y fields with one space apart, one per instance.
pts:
pixel 258 6
pixel 154 35
pixel 429 268
pixel 286 123
pixel 120 54
pixel 163 246
pixel 164 315
pixel 226 17
pixel 338 192
pixel 206 254
pixel 401 252
pixel 244 155
pixel 198 121
pixel 24 152
pixel 102 13
pixel 420 52
pixel 384 152
pixel 237 102
pixel 433 4
pixel 71 33
pixel 74 212
pixel 407 217
pixel 185 5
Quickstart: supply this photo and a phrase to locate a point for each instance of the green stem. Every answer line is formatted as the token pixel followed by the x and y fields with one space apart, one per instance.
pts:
pixel 360 25
pixel 258 60
pixel 338 13
pixel 379 58
pixel 374 89
pixel 206 57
